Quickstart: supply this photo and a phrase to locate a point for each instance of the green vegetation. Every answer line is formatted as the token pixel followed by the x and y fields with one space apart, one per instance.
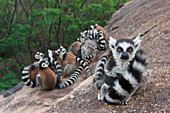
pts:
pixel 28 26
pixel 8 80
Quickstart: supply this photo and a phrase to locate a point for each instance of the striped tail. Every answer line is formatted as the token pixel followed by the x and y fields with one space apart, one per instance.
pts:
pixel 93 34
pixel 84 64
pixel 58 67
pixel 101 41
pixel 100 68
pixel 90 56
pixel 72 78
pixel 114 99
pixel 89 34
pixel 59 71
pixel 26 77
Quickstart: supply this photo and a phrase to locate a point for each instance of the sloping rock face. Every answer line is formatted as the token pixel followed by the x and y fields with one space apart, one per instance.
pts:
pixel 135 17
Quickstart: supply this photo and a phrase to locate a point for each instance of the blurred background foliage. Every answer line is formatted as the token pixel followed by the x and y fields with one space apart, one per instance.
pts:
pixel 28 26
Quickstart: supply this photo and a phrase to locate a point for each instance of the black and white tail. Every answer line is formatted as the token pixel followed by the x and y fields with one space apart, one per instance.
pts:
pixel 89 34
pixel 100 68
pixel 84 64
pixel 26 77
pixel 101 41
pixel 58 67
pixel 72 78
pixel 93 34
pixel 58 71
pixel 75 75
pixel 90 56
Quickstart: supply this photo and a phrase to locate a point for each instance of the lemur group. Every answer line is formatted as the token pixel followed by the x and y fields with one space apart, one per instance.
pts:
pixel 119 74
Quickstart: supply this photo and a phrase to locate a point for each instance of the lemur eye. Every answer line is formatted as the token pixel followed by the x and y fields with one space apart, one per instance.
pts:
pixel 112 46
pixel 119 49
pixel 41 55
pixel 43 65
pixel 130 49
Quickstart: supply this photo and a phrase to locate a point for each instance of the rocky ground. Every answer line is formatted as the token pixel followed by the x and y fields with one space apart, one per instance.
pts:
pixel 135 17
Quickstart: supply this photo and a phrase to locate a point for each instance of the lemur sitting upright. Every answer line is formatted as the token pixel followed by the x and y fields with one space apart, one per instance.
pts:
pixel 121 73
pixel 29 73
pixel 68 60
pixel 46 78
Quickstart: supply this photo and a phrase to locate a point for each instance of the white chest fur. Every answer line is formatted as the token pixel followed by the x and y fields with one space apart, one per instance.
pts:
pixel 121 67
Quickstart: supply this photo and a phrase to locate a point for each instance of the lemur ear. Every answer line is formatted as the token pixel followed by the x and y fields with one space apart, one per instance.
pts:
pixel 50 54
pixel 92 27
pixel 36 55
pixel 49 50
pixel 61 46
pixel 137 41
pixel 96 25
pixel 112 42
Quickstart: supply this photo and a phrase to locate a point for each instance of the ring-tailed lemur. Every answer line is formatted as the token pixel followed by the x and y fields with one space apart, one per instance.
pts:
pixel 97 33
pixel 68 60
pixel 46 78
pixel 85 51
pixel 123 72
pixel 102 38
pixel 88 50
pixel 99 28
pixel 29 73
pixel 55 61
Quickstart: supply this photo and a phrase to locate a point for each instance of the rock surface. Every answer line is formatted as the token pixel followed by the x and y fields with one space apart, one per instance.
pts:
pixel 135 17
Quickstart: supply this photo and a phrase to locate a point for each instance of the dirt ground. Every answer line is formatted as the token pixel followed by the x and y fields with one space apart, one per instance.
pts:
pixel 135 17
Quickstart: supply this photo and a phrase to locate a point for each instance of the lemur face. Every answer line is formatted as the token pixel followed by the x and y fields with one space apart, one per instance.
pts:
pixel 60 51
pixel 124 49
pixel 39 56
pixel 44 63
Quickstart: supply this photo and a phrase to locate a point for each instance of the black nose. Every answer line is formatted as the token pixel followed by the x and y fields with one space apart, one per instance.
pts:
pixel 124 56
